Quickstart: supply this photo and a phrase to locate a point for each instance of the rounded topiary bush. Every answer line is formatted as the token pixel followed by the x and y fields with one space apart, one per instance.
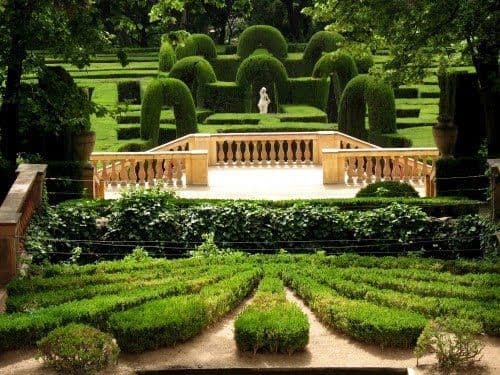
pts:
pixel 78 349
pixel 362 56
pixel 321 42
pixel 166 57
pixel 367 91
pixel 195 72
pixel 197 45
pixel 262 36
pixel 388 189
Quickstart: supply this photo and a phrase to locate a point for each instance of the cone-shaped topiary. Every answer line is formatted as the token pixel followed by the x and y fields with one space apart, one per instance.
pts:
pixel 262 36
pixel 261 70
pixel 197 45
pixel 321 42
pixel 195 72
pixel 166 57
pixel 172 92
pixel 341 68
pixel 367 91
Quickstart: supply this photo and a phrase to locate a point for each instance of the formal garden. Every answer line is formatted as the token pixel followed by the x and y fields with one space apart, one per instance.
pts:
pixel 227 187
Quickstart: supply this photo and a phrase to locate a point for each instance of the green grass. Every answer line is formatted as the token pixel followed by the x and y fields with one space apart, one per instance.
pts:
pixel 420 136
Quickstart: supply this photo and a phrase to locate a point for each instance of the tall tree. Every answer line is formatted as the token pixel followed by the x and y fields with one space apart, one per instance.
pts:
pixel 67 28
pixel 418 30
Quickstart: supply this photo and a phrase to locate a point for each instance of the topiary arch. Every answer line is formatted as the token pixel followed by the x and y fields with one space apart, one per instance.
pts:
pixel 321 42
pixel 172 92
pixel 166 57
pixel 262 70
pixel 197 45
pixel 341 68
pixel 262 36
pixel 195 72
pixel 367 91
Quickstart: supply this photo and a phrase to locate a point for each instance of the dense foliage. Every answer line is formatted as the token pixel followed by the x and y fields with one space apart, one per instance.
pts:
pixel 166 57
pixel 197 45
pixel 262 36
pixel 321 42
pixel 388 189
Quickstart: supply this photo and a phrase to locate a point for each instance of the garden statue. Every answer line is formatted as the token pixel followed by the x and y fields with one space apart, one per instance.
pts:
pixel 264 101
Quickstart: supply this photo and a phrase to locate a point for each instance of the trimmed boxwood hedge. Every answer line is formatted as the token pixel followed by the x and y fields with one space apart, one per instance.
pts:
pixel 310 91
pixel 129 92
pixel 226 97
pixel 195 72
pixel 262 36
pixel 166 133
pixel 366 91
pixel 166 57
pixel 390 140
pixel 321 42
pixel 388 189
pixel 197 45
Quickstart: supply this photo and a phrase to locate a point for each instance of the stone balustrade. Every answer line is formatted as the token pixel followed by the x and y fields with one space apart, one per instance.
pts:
pixel 173 168
pixel 363 166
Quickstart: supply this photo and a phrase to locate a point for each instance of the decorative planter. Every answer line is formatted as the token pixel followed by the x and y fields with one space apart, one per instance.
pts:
pixel 83 145
pixel 445 136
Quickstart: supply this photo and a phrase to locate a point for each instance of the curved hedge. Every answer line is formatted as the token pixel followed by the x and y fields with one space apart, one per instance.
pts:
pixel 366 91
pixel 322 41
pixel 262 36
pixel 167 91
pixel 166 57
pixel 195 72
pixel 341 68
pixel 362 56
pixel 197 45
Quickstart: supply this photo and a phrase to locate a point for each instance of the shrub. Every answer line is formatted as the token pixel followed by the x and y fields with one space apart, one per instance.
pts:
pixel 197 45
pixel 341 68
pixel 366 91
pixel 453 340
pixel 388 189
pixel 226 66
pixel 166 57
pixel 322 41
pixel 77 349
pixel 261 70
pixel 262 36
pixel 309 91
pixel 226 97
pixel 390 140
pixel 195 72
pixel 129 92
pixel 362 56
pixel 169 91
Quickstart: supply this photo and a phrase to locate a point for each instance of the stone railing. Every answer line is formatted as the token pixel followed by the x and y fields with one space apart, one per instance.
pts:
pixel 173 168
pixel 362 166
pixel 16 212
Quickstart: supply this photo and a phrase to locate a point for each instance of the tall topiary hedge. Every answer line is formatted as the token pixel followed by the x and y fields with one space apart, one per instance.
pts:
pixel 166 57
pixel 361 54
pixel 341 68
pixel 195 72
pixel 262 36
pixel 322 41
pixel 366 91
pixel 261 70
pixel 172 92
pixel 197 45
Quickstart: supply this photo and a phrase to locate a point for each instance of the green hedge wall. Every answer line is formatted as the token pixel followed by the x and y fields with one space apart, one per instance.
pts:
pixel 226 97
pixel 390 140
pixel 166 133
pixel 297 67
pixel 195 72
pixel 262 36
pixel 310 91
pixel 226 67
pixel 322 41
pixel 166 57
pixel 167 91
pixel 129 92
pixel 197 45
pixel 341 68
pixel 366 91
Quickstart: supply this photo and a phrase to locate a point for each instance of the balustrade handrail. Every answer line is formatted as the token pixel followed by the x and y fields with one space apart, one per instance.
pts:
pixel 109 156
pixel 418 151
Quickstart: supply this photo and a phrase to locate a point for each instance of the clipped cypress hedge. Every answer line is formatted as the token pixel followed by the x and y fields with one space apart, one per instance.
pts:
pixel 320 42
pixel 195 72
pixel 167 91
pixel 197 45
pixel 341 68
pixel 262 36
pixel 390 140
pixel 310 91
pixel 366 91
pixel 388 189
pixel 166 57
pixel 226 97
pixel 362 56
pixel 129 92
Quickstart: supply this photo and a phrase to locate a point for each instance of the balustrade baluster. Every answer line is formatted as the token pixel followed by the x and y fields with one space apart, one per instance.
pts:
pixel 178 173
pixel 299 153
pixel 114 175
pixel 220 153
pixel 238 153
pixel 132 172
pixel 230 154
pixel 350 170
pixel 246 155
pixel 169 172
pixel 414 169
pixel 123 175
pixel 142 172
pixel 150 172
pixel 272 153
pixel 369 169
pixel 361 169
pixel 255 152
pixel 406 169
pixel 159 170
pixel 387 168
pixel 378 169
pixel 395 169
pixel 425 169
pixel 308 152
pixel 281 152
pixel 289 152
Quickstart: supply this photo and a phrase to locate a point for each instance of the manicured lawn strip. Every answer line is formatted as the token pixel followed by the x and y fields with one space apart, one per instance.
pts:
pixel 168 321
pixel 24 329
pixel 483 312
pixel 271 323
pixel 365 321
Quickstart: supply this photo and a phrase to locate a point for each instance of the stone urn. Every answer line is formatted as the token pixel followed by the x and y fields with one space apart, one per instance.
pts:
pixel 83 145
pixel 445 136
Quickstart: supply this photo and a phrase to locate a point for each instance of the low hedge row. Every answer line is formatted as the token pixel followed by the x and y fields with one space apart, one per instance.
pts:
pixel 166 133
pixel 365 321
pixel 129 92
pixel 169 321
pixel 271 324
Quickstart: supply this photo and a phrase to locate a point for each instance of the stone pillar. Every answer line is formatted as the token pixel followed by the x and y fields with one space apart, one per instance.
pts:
pixel 8 245
pixel 333 168
pixel 197 168
pixel 326 139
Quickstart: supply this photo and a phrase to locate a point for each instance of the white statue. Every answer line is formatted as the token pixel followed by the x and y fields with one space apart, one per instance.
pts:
pixel 264 101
